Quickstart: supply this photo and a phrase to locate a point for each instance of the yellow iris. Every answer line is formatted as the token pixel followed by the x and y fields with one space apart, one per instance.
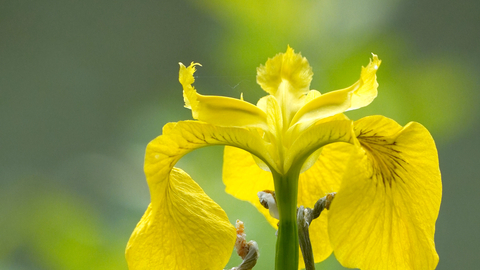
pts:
pixel 300 144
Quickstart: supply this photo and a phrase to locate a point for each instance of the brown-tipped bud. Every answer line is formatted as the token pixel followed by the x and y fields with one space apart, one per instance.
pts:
pixel 251 259
pixel 328 199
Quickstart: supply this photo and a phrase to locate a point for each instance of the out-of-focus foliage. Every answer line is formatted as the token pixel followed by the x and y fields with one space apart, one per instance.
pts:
pixel 44 225
pixel 85 85
pixel 336 36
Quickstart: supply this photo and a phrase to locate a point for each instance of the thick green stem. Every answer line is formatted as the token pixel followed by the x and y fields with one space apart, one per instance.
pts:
pixel 286 187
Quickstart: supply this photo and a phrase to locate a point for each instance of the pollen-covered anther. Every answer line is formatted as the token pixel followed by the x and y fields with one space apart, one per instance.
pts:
pixel 268 200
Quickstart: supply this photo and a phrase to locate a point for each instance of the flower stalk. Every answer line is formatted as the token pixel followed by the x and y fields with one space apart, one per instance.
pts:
pixel 286 188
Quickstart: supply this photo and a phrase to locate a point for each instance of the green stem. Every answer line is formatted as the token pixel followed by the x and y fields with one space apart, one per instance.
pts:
pixel 286 187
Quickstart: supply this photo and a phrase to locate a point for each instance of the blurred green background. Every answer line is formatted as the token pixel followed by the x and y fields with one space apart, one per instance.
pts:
pixel 85 85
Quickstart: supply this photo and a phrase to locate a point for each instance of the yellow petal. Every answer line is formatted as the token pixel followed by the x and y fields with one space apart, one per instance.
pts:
pixel 314 157
pixel 182 229
pixel 182 222
pixel 274 117
pixel 186 79
pixel 383 216
pixel 286 76
pixel 311 95
pixel 322 178
pixel 316 137
pixel 360 94
pixel 219 110
pixel 288 66
pixel 243 179
pixel 364 91
pixel 183 137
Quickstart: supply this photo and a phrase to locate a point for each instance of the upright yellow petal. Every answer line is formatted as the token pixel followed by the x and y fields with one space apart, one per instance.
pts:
pixel 364 91
pixel 186 79
pixel 183 228
pixel 286 76
pixel 383 216
pixel 288 66
pixel 274 117
pixel 219 110
pixel 360 94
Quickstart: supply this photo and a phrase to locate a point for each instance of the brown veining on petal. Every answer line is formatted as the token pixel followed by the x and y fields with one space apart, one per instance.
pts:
pixel 385 157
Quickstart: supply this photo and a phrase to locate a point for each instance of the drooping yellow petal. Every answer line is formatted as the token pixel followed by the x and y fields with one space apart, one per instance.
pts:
pixel 243 179
pixel 182 229
pixel 322 178
pixel 180 138
pixel 182 225
pixel 360 94
pixel 287 77
pixel 383 216
pixel 219 110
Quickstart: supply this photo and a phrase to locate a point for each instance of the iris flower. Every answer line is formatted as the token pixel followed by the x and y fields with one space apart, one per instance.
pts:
pixel 298 143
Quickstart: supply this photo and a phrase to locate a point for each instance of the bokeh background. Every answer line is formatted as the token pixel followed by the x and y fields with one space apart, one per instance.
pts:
pixel 85 85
